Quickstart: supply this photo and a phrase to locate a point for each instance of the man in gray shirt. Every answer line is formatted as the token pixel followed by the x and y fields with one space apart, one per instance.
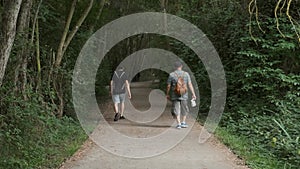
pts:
pixel 179 102
pixel 118 85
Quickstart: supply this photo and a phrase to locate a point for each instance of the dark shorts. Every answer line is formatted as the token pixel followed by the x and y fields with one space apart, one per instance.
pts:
pixel 180 107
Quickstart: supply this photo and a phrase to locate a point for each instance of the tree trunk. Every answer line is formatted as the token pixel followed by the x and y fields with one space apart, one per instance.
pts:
pixel 77 26
pixel 92 28
pixel 8 32
pixel 23 33
pixel 65 33
pixel 38 54
pixel 164 6
pixel 35 30
pixel 65 41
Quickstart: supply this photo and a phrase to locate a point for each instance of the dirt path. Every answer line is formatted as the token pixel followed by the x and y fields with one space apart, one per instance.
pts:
pixel 188 154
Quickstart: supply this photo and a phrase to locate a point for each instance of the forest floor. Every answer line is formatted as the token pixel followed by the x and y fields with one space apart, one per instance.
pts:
pixel 187 154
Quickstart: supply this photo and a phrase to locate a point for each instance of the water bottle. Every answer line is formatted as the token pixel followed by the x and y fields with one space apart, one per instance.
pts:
pixel 193 103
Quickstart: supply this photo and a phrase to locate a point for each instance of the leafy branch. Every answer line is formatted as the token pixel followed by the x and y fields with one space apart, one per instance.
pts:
pixel 280 6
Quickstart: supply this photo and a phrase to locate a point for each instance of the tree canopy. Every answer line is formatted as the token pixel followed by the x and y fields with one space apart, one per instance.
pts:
pixel 257 41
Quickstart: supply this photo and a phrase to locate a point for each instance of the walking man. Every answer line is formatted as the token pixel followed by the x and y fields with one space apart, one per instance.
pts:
pixel 177 92
pixel 118 85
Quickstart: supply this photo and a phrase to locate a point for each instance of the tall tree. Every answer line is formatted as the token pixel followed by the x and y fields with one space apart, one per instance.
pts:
pixel 65 41
pixel 23 23
pixel 8 32
pixel 67 38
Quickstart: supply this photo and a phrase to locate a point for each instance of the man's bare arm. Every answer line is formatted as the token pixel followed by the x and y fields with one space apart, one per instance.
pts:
pixel 168 91
pixel 111 87
pixel 128 89
pixel 192 90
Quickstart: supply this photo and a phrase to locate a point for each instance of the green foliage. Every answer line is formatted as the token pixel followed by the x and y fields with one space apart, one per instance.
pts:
pixel 265 107
pixel 253 153
pixel 261 119
pixel 262 73
pixel 32 137
pixel 103 79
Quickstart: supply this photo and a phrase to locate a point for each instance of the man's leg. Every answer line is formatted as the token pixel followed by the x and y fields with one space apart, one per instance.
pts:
pixel 176 109
pixel 183 119
pixel 178 119
pixel 183 124
pixel 122 105
pixel 116 101
pixel 184 112
pixel 116 107
pixel 117 113
pixel 173 111
pixel 122 108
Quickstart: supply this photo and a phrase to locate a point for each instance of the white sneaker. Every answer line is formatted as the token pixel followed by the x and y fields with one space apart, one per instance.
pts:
pixel 184 125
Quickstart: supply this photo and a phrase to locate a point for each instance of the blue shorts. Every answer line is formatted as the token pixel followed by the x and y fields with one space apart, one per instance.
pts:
pixel 118 98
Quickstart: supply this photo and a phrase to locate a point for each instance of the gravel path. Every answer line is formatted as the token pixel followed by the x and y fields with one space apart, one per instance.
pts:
pixel 187 154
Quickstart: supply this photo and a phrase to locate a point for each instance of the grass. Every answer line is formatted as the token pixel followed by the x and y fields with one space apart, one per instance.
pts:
pixel 254 155
pixel 66 142
pixel 55 142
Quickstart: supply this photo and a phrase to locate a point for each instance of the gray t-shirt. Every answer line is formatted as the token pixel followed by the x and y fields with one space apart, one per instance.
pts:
pixel 172 80
pixel 119 82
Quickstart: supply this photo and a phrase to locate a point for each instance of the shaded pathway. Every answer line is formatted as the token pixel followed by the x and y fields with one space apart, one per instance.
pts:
pixel 188 154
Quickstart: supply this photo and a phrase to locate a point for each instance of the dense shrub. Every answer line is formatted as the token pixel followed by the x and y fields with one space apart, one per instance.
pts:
pixel 32 137
pixel 265 106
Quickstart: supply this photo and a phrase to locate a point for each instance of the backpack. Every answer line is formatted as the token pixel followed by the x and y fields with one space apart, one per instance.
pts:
pixel 180 87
